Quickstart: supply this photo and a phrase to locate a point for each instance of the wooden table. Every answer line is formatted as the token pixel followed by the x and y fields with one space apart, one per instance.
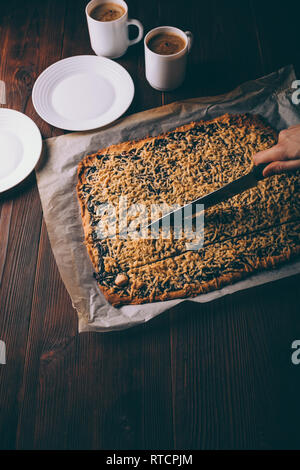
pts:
pixel 211 376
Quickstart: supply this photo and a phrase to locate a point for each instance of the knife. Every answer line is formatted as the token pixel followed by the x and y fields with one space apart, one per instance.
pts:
pixel 215 197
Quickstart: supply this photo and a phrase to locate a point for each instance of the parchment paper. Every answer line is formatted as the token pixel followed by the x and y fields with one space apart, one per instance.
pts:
pixel 270 96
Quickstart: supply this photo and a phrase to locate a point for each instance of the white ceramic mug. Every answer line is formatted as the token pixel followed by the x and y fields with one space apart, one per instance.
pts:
pixel 167 72
pixel 110 38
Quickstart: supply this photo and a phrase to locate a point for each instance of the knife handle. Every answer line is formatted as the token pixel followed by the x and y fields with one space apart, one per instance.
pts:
pixel 257 171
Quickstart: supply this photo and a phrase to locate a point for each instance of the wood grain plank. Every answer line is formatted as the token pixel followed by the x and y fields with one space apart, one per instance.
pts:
pixel 15 306
pixel 5 217
pixel 26 34
pixel 274 325
pixel 91 391
pixel 52 329
pixel 234 387
pixel 276 30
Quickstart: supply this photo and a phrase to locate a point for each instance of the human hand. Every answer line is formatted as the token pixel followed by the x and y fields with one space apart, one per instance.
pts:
pixel 284 156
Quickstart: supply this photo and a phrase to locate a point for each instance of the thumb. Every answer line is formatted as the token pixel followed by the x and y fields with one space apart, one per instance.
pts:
pixel 270 155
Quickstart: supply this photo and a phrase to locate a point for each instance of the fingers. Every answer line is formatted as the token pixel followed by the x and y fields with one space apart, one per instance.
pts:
pixel 270 155
pixel 281 167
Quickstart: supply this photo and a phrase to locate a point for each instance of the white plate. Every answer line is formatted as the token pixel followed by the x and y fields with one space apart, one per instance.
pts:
pixel 82 93
pixel 21 146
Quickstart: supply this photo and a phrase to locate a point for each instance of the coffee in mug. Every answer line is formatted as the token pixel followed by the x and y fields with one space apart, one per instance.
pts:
pixel 166 43
pixel 107 12
pixel 166 51
pixel 108 27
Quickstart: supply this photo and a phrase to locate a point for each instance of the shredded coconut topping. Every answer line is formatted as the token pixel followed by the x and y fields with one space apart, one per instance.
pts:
pixel 256 229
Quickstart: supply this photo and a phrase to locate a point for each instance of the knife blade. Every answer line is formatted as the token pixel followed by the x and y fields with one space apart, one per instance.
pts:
pixel 215 197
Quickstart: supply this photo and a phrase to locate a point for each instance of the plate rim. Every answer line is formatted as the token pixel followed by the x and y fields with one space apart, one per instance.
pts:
pixel 74 58
pixel 21 178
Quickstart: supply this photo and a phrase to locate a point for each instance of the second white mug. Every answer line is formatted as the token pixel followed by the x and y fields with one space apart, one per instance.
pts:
pixel 167 72
pixel 110 38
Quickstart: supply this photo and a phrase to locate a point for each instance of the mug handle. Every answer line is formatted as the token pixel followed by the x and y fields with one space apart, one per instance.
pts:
pixel 189 35
pixel 140 27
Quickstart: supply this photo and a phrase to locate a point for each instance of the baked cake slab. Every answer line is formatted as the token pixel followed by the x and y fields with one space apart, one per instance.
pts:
pixel 255 230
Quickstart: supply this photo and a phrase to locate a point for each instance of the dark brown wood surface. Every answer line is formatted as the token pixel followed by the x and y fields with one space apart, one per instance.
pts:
pixel 211 376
